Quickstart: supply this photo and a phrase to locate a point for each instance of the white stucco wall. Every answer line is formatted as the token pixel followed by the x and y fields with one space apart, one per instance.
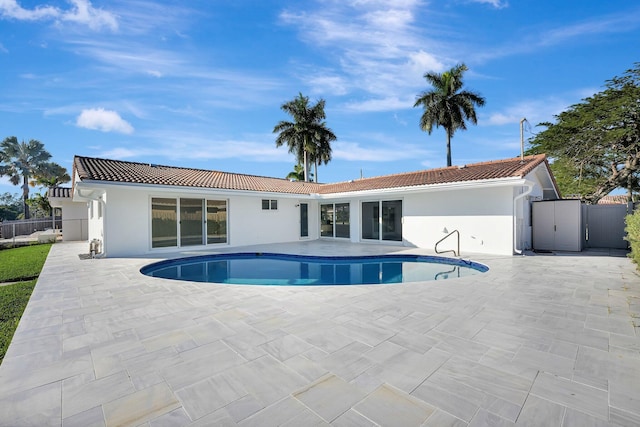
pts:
pixel 482 216
pixel 74 221
pixel 128 220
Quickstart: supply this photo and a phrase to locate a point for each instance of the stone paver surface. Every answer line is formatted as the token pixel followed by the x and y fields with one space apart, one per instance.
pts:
pixel 539 340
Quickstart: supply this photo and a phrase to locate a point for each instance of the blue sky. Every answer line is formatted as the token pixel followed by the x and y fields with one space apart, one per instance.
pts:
pixel 200 83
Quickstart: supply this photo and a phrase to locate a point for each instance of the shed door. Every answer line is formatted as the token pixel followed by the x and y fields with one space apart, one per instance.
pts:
pixel 543 226
pixel 568 225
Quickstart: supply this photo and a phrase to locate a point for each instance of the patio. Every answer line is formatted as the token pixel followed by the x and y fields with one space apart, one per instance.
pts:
pixel 549 340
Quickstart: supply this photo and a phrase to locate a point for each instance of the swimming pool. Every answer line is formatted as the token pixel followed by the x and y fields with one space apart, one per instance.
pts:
pixel 297 270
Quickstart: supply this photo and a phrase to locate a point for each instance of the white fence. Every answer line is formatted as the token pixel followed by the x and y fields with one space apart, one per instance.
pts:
pixel 26 227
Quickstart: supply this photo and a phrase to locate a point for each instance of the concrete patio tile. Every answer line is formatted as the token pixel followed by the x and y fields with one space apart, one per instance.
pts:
pixel 267 379
pixel 413 341
pixel 276 414
pixel 307 368
pixel 79 398
pixel 352 418
pixel 571 394
pixel 407 370
pixel 179 339
pixel 16 408
pixel 177 417
pixel 625 396
pixel 623 417
pixel 329 397
pixel 286 347
pixel 498 383
pixel 328 340
pixel 210 395
pixel 140 406
pixel 487 419
pixel 90 418
pixel 243 408
pixel 540 412
pixel 444 400
pixel 219 418
pixel 443 419
pixel 458 346
pixel 182 374
pixel 573 418
pixel 545 362
pixel 390 406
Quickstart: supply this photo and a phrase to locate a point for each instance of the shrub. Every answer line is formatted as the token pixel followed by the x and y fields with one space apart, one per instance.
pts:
pixel 633 235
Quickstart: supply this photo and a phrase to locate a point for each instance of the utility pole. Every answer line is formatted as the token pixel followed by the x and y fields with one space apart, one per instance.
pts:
pixel 524 119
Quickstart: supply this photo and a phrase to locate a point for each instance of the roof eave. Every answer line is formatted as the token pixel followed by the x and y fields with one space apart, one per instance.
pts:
pixel 461 185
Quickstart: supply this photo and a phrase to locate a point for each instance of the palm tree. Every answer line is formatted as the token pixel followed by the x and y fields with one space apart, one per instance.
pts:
pixel 303 134
pixel 322 149
pixel 21 161
pixel 447 105
pixel 52 175
pixel 297 174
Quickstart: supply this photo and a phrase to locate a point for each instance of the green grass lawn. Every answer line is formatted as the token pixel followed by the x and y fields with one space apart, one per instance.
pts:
pixel 20 265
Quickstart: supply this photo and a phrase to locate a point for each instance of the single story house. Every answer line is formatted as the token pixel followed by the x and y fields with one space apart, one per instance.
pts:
pixel 143 209
pixel 74 214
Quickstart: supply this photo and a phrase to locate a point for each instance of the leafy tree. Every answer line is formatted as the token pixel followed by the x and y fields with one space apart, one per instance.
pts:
pixel 39 206
pixel 52 175
pixel 24 161
pixel 595 144
pixel 307 136
pixel 10 207
pixel 447 104
pixel 297 174
pixel 322 151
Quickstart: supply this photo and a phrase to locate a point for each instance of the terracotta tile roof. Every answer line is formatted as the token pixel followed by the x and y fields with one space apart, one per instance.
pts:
pixel 62 192
pixel 509 168
pixel 616 199
pixel 95 169
pixel 89 168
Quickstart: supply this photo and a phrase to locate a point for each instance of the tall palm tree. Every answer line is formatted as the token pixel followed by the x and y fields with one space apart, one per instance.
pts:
pixel 297 174
pixel 21 161
pixel 322 149
pixel 447 105
pixel 303 134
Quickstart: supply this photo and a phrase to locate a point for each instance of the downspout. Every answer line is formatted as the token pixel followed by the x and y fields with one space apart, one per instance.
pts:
pixel 528 191
pixel 100 200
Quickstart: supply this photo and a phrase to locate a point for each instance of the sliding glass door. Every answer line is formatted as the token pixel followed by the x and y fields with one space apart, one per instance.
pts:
pixel 183 222
pixel 334 220
pixel 382 220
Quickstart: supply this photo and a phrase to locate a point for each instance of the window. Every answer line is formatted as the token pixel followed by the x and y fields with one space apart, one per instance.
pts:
pixel 334 220
pixel 164 222
pixel 387 226
pixel 216 221
pixel 195 221
pixel 269 205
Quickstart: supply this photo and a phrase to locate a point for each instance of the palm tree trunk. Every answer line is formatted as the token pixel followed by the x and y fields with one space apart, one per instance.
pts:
pixel 25 195
pixel 448 148
pixel 315 170
pixel 306 168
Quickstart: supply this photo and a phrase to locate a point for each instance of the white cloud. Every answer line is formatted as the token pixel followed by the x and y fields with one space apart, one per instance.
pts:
pixel 103 120
pixel 81 12
pixel 377 46
pixel 498 4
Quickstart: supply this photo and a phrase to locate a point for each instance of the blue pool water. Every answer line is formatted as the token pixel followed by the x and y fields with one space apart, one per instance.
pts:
pixel 296 270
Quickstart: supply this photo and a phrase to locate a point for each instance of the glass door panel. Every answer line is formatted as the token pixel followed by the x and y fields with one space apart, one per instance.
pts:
pixel 304 220
pixel 371 220
pixel 342 220
pixel 164 223
pixel 216 221
pixel 191 222
pixel 392 220
pixel 326 220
